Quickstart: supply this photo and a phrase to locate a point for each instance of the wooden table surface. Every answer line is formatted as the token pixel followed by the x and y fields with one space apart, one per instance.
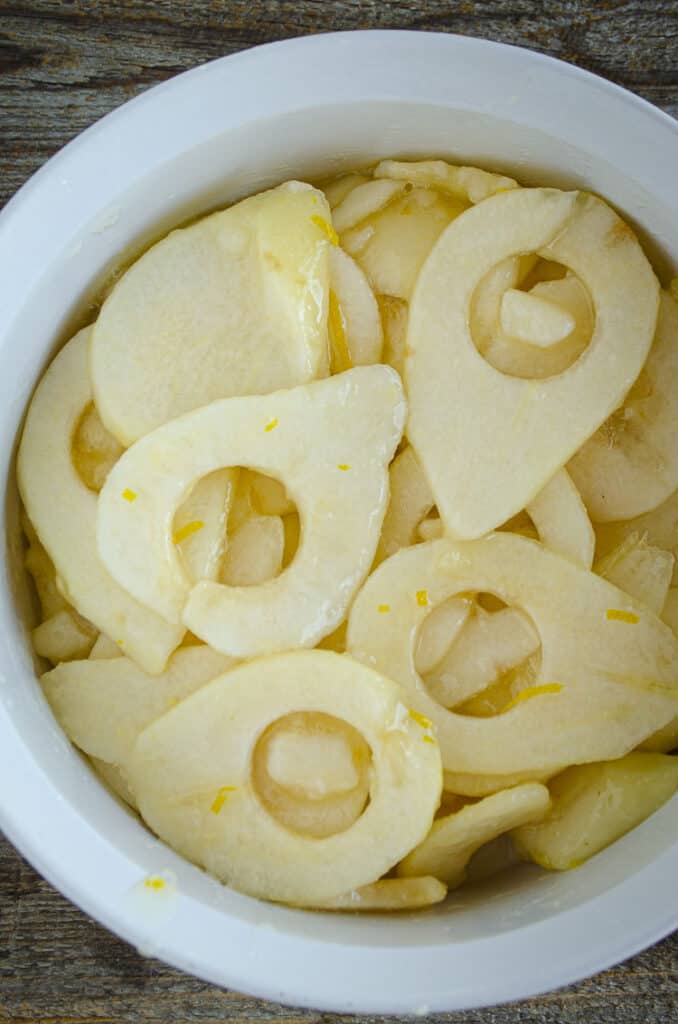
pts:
pixel 65 63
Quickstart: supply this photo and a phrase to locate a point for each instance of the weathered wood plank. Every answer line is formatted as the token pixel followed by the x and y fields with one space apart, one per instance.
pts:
pixel 65 63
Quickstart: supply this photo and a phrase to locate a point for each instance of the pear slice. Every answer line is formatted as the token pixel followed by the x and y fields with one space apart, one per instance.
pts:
pixel 67 527
pixel 401 237
pixel 488 442
pixel 269 496
pixel 329 442
pixel 63 637
pixel 411 499
pixel 95 450
pixel 453 840
pixel 391 894
pixel 235 304
pixel 534 320
pixel 255 552
pixel 206 807
pixel 358 309
pixel 364 201
pixel 337 189
pixel 466 784
pixel 114 780
pixel 609 667
pixel 562 521
pixel 199 533
pixel 594 804
pixel 630 465
pixel 102 706
pixel 104 649
pixel 488 645
pixel 41 567
pixel 658 528
pixel 467 183
pixel 639 569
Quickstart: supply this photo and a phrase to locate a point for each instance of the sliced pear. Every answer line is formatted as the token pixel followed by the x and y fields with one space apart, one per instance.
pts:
pixel 410 501
pixel 329 442
pixel 103 705
pixel 95 450
pixel 639 569
pixel 431 528
pixel 630 465
pixel 488 442
pixel 115 780
pixel 235 304
pixel 394 314
pixel 104 649
pixel 337 189
pixel 453 840
pixel 468 183
pixel 594 804
pixel 658 528
pixel 358 307
pixel 200 525
pixel 391 894
pixel 67 527
pixel 562 521
pixel 63 637
pixel 206 807
pixel 402 236
pixel 608 675
pixel 464 784
pixel 255 552
pixel 487 645
pixel 663 741
pixel 534 320
pixel 439 631
pixel 364 201
pixel 269 496
pixel 41 568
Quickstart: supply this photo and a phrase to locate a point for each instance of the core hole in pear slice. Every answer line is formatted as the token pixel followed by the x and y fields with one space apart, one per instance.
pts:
pixel 67 527
pixel 487 441
pixel 208 809
pixel 234 304
pixel 601 689
pixel 329 442
pixel 312 773
pixel 630 465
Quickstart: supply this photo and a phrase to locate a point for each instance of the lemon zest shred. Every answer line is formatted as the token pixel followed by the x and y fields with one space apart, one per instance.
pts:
pixel 383 608
pixel 221 797
pixel 340 355
pixel 428 739
pixel 326 228
pixel 619 615
pixel 155 882
pixel 271 425
pixel 187 531
pixel 422 598
pixel 343 466
pixel 119 643
pixel 129 495
pixel 532 691
pixel 420 719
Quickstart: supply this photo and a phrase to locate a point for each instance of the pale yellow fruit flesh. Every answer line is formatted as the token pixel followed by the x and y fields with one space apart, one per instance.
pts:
pixel 410 500
pixel 609 666
pixel 467 183
pixel 235 304
pixel 641 570
pixel 358 307
pixel 595 804
pixel 391 894
pixel 534 320
pixel 562 521
pixel 203 748
pixel 63 637
pixel 255 552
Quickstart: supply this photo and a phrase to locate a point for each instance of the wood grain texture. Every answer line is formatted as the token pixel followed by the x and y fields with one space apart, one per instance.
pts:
pixel 65 63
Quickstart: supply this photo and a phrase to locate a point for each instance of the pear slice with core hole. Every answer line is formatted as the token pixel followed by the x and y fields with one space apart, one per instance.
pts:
pixel 391 894
pixel 206 806
pixel 639 569
pixel 67 527
pixel 562 521
pixel 630 465
pixel 103 705
pixel 454 839
pixel 594 804
pixel 329 442
pixel 488 442
pixel 609 667
pixel 357 309
pixel 235 304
